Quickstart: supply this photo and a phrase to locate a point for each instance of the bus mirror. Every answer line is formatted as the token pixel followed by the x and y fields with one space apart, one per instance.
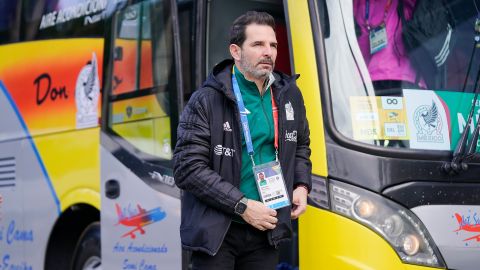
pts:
pixel 118 54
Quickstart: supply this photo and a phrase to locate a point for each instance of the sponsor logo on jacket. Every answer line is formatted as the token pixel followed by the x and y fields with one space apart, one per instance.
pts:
pixel 291 136
pixel 219 150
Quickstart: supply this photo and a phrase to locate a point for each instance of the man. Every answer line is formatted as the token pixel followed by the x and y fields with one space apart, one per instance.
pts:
pixel 225 222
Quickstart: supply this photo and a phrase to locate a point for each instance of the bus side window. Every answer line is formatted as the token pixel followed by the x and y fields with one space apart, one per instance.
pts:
pixel 143 77
pixel 10 21
pixel 125 47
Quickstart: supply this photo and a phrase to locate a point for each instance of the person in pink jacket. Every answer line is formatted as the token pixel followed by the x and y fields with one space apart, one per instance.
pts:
pixel 379 33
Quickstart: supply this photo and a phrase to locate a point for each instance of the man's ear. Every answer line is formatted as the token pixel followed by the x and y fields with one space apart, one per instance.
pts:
pixel 235 51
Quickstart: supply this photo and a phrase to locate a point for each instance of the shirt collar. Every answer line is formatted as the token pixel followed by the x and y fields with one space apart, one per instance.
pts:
pixel 249 85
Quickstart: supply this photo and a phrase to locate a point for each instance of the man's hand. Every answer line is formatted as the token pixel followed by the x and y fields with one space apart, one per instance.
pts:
pixel 299 202
pixel 260 216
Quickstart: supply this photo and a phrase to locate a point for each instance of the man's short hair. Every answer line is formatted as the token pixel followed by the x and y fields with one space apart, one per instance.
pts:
pixel 237 31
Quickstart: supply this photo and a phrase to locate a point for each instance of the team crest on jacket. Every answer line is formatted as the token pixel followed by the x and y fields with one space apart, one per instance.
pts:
pixel 226 127
pixel 289 111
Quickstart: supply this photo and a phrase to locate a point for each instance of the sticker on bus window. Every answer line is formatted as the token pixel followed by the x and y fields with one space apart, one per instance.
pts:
pixel 428 120
pixel 378 118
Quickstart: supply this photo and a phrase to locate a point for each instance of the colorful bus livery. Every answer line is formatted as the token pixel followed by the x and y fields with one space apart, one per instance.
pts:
pixel 467 225
pixel 49 100
pixel 58 89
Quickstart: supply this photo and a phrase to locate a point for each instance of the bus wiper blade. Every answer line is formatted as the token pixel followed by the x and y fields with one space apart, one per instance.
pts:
pixel 472 145
pixel 457 164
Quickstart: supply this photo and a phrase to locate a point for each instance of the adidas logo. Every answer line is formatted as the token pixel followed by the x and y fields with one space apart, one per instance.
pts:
pixel 226 127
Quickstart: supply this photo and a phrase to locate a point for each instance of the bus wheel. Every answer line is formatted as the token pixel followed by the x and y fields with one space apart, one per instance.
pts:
pixel 88 252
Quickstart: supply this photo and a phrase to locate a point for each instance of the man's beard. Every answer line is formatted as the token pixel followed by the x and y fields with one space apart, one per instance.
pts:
pixel 253 70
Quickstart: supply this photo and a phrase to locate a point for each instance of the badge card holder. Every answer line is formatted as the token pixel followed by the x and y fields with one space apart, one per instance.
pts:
pixel 378 38
pixel 377 35
pixel 271 185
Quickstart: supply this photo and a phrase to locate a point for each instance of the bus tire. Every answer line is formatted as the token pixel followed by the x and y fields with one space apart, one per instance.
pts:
pixel 87 254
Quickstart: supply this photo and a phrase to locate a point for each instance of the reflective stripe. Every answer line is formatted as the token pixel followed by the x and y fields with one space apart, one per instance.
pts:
pixel 445 51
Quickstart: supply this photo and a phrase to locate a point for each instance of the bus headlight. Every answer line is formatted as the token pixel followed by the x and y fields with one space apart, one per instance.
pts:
pixel 365 208
pixel 396 224
pixel 411 244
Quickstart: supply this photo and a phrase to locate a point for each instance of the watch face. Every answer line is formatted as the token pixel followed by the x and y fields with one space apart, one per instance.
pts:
pixel 240 208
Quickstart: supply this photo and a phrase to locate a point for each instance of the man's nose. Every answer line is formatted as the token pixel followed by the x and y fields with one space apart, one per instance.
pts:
pixel 268 51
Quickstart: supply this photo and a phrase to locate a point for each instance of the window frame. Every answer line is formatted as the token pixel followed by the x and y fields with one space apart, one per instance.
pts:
pixel 108 99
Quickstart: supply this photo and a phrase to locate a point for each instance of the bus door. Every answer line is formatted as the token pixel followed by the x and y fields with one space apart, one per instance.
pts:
pixel 140 211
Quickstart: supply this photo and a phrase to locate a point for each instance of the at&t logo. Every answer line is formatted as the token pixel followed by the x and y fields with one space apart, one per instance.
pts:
pixel 220 150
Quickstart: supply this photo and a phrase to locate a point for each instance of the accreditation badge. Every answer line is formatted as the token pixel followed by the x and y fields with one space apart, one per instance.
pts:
pixel 271 185
pixel 378 38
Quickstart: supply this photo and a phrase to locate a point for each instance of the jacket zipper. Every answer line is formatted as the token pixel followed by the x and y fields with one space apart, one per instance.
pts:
pixel 223 238
pixel 238 139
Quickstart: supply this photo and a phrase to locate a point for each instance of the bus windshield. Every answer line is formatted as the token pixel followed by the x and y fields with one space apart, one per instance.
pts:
pixel 402 73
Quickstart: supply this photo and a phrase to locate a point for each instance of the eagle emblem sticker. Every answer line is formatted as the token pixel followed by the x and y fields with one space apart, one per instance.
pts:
pixel 87 91
pixel 428 124
pixel 428 120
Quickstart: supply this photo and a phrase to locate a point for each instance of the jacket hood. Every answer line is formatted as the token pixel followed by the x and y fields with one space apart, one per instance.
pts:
pixel 220 79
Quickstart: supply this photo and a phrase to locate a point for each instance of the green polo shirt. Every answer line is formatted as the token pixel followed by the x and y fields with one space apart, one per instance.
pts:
pixel 260 120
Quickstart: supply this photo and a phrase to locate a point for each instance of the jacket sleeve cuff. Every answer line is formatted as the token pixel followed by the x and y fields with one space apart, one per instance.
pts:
pixel 307 187
pixel 237 195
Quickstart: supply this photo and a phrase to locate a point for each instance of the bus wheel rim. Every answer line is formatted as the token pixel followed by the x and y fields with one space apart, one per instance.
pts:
pixel 93 263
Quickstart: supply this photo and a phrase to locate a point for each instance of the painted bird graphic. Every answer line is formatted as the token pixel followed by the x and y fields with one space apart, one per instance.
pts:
pixel 430 116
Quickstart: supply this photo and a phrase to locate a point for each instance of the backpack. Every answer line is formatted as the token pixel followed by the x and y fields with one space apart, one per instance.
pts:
pixel 428 37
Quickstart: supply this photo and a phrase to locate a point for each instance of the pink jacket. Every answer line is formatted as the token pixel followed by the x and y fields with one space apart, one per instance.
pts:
pixel 390 63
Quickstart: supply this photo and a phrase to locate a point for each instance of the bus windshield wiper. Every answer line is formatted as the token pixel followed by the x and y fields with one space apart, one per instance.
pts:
pixel 471 151
pixel 462 153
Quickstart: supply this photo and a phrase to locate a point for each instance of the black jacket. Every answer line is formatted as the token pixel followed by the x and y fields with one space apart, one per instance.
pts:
pixel 207 158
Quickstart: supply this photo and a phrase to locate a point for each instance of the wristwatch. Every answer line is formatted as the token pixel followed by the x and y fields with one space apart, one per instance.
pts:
pixel 241 206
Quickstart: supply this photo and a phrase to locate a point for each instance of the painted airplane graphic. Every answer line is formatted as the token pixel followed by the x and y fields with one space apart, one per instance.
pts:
pixel 139 220
pixel 468 228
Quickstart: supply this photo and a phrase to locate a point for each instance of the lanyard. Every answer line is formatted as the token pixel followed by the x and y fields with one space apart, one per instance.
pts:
pixel 244 119
pixel 367 12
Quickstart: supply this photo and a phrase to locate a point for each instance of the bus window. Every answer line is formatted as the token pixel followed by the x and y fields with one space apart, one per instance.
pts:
pixel 187 25
pixel 9 21
pixel 393 88
pixel 143 77
pixel 125 50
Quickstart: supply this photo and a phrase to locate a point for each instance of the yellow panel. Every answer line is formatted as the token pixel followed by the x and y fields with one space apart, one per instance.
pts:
pixel 151 136
pixel 335 242
pixel 137 109
pixel 305 65
pixel 139 134
pixel 72 160
pixel 80 195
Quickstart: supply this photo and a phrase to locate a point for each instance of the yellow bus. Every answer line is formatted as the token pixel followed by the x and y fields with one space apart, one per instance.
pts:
pixel 91 91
